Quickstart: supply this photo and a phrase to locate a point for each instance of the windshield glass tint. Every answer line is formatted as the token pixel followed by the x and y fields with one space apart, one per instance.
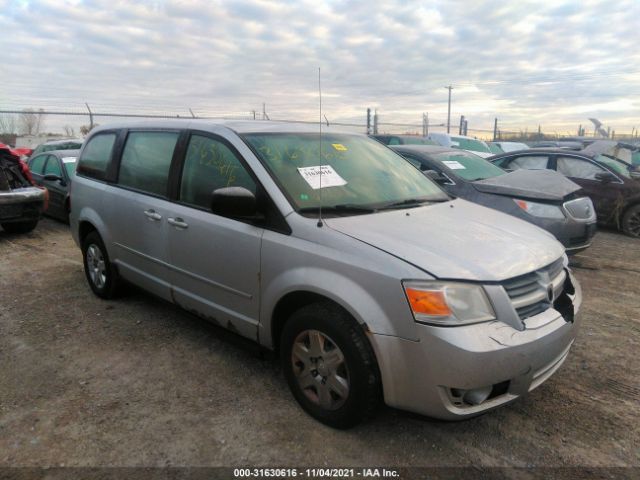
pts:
pixel 356 170
pixel 615 165
pixel 469 144
pixel 468 166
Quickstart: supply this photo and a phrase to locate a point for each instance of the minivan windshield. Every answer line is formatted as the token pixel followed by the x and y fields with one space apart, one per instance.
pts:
pixel 359 175
pixel 468 166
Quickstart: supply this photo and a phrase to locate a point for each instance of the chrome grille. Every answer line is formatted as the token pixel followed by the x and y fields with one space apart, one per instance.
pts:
pixel 581 209
pixel 529 293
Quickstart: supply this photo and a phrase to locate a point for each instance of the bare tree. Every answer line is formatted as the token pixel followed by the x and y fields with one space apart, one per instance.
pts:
pixel 85 129
pixel 69 131
pixel 31 121
pixel 7 123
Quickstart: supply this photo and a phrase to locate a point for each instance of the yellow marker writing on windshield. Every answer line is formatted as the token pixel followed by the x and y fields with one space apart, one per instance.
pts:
pixel 339 147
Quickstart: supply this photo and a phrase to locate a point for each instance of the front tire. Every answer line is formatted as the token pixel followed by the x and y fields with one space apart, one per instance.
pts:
pixel 101 274
pixel 631 221
pixel 330 366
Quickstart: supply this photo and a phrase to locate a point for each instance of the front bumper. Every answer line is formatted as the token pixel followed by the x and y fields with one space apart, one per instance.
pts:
pixel 431 375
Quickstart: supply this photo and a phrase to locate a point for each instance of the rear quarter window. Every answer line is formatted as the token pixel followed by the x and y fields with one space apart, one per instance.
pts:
pixel 96 156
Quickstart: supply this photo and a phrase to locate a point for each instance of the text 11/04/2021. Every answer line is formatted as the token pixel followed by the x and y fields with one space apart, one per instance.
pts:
pixel 315 473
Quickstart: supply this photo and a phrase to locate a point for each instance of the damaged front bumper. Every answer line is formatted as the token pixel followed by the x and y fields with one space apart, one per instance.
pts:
pixel 458 372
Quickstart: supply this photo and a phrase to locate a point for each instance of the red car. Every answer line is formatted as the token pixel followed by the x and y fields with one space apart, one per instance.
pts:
pixel 21 203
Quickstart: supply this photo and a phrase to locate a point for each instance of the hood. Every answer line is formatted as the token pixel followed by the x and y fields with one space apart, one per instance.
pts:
pixel 456 240
pixel 533 184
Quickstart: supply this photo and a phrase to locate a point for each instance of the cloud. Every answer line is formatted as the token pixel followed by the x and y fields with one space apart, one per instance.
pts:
pixel 526 63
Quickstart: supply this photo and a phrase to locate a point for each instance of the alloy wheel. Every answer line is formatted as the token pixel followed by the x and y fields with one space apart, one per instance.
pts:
pixel 96 266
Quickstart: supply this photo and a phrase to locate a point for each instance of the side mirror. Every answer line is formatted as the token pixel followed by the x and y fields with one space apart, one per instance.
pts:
pixel 233 202
pixel 605 177
pixel 436 176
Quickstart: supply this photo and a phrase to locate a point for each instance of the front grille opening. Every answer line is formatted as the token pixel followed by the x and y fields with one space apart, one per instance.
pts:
pixel 477 396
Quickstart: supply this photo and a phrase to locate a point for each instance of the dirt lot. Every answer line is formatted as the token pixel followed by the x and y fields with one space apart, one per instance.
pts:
pixel 133 382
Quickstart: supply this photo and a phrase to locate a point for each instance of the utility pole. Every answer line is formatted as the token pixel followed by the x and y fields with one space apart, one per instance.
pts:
pixel 368 121
pixel 495 129
pixel 375 122
pixel 461 126
pixel 449 109
pixel 264 112
pixel 425 124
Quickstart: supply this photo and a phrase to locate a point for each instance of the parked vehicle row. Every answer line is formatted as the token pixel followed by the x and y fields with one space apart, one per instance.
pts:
pixel 368 279
pixel 605 179
pixel 544 198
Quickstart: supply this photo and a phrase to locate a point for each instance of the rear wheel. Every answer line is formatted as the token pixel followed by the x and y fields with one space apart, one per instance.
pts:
pixel 101 274
pixel 20 227
pixel 329 365
pixel 631 221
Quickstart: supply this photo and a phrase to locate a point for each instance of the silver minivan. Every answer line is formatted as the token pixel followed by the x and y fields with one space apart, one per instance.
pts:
pixel 369 280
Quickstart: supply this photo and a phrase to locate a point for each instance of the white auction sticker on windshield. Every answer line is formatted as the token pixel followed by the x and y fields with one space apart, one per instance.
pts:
pixel 453 164
pixel 329 177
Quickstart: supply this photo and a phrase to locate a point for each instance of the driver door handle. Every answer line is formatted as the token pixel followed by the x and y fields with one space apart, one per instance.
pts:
pixel 178 223
pixel 153 215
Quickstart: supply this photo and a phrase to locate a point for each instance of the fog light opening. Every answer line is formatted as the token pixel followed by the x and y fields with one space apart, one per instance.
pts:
pixel 477 396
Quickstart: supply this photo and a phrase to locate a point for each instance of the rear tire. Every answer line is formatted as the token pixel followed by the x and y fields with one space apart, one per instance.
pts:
pixel 19 227
pixel 330 366
pixel 631 221
pixel 101 274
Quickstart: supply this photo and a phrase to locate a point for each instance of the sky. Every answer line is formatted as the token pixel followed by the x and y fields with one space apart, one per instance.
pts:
pixel 527 63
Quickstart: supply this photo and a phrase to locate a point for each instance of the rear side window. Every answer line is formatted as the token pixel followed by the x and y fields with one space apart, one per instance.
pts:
pixel 97 155
pixel 36 164
pixel 146 160
pixel 578 168
pixel 208 166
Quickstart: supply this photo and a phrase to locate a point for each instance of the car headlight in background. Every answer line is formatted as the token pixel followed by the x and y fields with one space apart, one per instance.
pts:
pixel 448 303
pixel 542 210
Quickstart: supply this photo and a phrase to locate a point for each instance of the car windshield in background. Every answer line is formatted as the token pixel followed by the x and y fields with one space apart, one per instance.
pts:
pixel 70 165
pixel 417 141
pixel 48 147
pixel 468 166
pixel 358 173
pixel 617 166
pixel 469 144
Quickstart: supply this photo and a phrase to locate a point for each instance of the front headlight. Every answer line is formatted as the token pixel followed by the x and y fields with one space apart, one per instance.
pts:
pixel 543 210
pixel 448 303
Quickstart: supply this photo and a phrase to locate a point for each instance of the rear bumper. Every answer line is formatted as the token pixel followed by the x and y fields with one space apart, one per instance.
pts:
pixel 21 204
pixel 432 375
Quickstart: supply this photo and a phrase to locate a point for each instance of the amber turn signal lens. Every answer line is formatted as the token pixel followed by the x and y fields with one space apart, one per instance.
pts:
pixel 428 302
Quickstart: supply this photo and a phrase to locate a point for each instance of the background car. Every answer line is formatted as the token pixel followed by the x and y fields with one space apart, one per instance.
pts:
pixel 501 147
pixel 606 180
pixel 545 199
pixel 403 140
pixel 461 142
pixel 54 170
pixel 66 144
pixel 21 203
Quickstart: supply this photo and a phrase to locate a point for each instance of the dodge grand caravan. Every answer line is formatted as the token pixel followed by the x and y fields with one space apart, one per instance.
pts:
pixel 369 280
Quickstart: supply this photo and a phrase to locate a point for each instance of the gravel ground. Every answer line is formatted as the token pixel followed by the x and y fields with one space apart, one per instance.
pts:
pixel 138 382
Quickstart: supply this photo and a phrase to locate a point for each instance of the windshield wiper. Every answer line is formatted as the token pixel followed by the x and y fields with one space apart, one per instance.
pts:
pixel 341 208
pixel 408 203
